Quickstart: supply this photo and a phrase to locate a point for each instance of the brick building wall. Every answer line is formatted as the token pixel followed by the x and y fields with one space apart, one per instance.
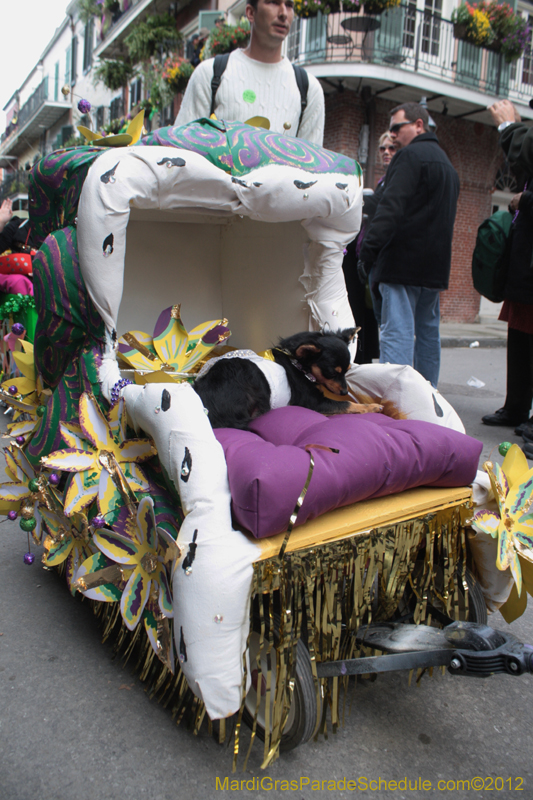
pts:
pixel 473 150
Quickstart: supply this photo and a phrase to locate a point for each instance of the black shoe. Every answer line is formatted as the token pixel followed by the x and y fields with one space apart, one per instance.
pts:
pixel 527 433
pixel 525 427
pixel 528 450
pixel 504 418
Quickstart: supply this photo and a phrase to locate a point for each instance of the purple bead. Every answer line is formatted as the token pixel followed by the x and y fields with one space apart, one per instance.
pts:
pixel 29 558
pixel 20 440
pixel 12 515
pixel 84 106
pixel 18 329
pixel 13 390
pixel 98 522
pixel 54 478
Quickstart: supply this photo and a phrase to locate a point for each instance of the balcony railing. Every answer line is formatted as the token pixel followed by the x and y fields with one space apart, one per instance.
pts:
pixel 412 40
pixel 32 105
pixel 14 183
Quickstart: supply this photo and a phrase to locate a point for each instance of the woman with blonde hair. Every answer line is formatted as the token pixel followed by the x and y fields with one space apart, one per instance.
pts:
pixel 359 296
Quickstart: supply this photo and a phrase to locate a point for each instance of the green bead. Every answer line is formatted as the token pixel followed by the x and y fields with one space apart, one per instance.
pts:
pixel 29 524
pixel 33 485
pixel 504 448
pixel 41 411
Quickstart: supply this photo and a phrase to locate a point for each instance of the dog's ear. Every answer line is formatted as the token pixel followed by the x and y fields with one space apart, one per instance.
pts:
pixel 306 349
pixel 347 334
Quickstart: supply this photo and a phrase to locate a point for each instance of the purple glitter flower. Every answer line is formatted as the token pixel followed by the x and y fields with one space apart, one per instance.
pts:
pixel 18 329
pixel 29 558
pixel 12 515
pixel 84 106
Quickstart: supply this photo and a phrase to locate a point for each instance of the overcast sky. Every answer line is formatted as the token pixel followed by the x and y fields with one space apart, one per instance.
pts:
pixel 27 27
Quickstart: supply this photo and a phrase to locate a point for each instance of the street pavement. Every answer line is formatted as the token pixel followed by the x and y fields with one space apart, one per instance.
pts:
pixel 76 725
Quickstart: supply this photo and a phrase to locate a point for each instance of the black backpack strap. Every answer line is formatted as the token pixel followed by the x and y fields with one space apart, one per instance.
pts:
pixel 302 79
pixel 219 65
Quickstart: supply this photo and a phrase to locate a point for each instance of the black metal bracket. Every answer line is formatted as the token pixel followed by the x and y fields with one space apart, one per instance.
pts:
pixel 466 648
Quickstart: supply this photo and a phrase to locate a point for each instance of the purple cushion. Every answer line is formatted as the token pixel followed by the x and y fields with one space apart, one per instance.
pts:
pixel 377 456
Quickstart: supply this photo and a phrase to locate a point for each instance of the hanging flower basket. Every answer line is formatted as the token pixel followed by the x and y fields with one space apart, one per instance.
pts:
pixel 177 72
pixel 310 8
pixel 226 39
pixel 494 26
pixel 379 6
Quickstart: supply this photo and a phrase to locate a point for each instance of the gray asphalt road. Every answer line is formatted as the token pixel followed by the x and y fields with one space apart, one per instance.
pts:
pixel 76 725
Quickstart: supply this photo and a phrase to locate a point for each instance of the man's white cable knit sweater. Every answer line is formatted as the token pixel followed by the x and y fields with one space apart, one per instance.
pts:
pixel 254 89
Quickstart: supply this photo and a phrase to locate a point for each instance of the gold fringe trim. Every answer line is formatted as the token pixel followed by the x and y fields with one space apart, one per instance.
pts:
pixel 322 595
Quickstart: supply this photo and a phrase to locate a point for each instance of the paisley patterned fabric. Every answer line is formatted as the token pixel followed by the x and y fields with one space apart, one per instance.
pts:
pixel 237 148
pixel 55 186
pixel 68 319
pixel 69 337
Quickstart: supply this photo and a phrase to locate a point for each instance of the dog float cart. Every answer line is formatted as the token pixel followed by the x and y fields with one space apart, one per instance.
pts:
pixel 114 468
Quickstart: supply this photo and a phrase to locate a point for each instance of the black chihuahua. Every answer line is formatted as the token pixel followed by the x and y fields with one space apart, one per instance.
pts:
pixel 235 391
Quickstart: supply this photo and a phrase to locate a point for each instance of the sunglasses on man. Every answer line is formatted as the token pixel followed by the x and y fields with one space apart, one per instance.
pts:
pixel 384 147
pixel 395 128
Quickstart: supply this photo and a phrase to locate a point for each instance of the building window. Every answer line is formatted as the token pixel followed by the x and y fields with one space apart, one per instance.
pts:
pixel 527 69
pixel 74 60
pixel 88 45
pixel 293 42
pixel 100 117
pixel 56 82
pixel 135 92
pixel 409 26
pixel 431 27
pixel 67 66
pixel 116 108
pixel 505 180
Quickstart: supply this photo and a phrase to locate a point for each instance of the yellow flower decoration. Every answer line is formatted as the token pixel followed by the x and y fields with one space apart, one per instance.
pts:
pixel 68 541
pixel 171 353
pixel 98 461
pixel 131 137
pixel 512 484
pixel 30 395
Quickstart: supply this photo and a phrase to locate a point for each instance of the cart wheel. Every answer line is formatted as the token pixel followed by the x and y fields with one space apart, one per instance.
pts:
pixel 477 609
pixel 302 718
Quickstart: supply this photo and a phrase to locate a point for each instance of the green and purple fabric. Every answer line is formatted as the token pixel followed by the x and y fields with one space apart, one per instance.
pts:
pixel 238 148
pixel 54 191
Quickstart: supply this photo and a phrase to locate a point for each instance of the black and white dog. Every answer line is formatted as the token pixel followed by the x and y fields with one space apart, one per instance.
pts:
pixel 237 389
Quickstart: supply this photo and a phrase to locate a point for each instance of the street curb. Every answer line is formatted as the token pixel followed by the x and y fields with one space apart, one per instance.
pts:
pixel 464 342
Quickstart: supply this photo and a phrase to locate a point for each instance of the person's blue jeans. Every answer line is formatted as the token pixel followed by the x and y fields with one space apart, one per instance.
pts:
pixel 410 317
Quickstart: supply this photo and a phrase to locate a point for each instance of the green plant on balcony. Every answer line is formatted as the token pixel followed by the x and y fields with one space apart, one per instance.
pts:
pixel 310 8
pixel 511 31
pixel 226 38
pixel 156 34
pixel 379 6
pixel 87 9
pixel 471 23
pixel 176 73
pixel 492 25
pixel 113 74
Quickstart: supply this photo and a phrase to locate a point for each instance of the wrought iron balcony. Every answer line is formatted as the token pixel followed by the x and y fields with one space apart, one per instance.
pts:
pixel 411 40
pixel 14 183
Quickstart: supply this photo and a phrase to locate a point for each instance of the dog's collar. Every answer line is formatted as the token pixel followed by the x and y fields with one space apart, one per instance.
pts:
pixel 296 363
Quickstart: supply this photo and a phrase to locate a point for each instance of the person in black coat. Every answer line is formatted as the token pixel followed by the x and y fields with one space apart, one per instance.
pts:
pixel 407 248
pixel 359 296
pixel 517 143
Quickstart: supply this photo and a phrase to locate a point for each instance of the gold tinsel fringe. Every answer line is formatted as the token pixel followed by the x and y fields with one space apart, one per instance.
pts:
pixel 322 595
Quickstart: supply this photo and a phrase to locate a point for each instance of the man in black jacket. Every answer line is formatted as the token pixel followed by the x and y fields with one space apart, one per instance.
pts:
pixel 516 141
pixel 409 242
